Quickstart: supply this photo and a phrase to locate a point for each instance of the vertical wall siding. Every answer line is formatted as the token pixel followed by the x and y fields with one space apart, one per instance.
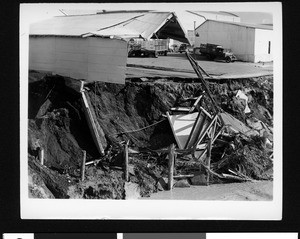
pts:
pixel 92 59
pixel 239 39
pixel 107 60
pixel 41 53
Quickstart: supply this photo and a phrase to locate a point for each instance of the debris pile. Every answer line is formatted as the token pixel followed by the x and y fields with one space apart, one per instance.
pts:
pixel 138 113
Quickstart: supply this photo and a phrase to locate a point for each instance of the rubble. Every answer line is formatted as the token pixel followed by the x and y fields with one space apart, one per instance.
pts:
pixel 137 112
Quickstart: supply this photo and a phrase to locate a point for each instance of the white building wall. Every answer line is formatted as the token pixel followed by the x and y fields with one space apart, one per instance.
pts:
pixel 262 40
pixel 239 39
pixel 92 58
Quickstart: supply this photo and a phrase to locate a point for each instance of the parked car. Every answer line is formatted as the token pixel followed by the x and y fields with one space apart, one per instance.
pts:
pixel 183 47
pixel 213 51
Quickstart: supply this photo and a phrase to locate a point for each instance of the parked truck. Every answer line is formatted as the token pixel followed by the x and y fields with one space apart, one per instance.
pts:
pixel 150 48
pixel 213 51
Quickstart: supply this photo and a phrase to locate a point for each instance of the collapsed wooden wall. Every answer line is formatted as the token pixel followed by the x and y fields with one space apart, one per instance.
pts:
pixel 91 58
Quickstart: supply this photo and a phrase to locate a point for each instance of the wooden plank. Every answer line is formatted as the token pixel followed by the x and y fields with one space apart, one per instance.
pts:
pixel 183 109
pixel 229 176
pixel 41 156
pixel 213 129
pixel 213 140
pixel 183 176
pixel 93 162
pixel 195 132
pixel 236 125
pixel 182 125
pixel 171 166
pixel 74 84
pixel 205 111
pixel 206 130
pixel 195 104
pixel 90 116
pixel 208 158
pixel 83 165
pixel 171 124
pixel 126 161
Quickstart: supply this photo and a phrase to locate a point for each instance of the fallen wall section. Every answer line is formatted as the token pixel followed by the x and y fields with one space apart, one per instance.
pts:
pixel 95 128
pixel 90 58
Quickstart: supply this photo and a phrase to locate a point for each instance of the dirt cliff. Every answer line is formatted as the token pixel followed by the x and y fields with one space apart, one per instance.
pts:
pixel 57 124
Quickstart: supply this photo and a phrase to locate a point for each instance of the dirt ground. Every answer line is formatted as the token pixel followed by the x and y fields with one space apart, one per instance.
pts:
pixel 249 191
pixel 177 64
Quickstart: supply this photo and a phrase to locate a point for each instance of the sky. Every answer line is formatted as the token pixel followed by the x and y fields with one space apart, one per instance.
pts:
pixel 249 12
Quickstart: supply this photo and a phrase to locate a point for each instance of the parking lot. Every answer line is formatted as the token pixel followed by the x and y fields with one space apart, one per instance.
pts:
pixel 177 64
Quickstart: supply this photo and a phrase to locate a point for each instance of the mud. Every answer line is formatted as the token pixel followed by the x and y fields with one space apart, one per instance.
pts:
pixel 57 124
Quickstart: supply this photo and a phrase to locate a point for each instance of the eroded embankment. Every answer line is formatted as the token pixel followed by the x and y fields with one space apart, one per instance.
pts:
pixel 58 125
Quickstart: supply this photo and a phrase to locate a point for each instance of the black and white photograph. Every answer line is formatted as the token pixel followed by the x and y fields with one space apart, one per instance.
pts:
pixel 151 110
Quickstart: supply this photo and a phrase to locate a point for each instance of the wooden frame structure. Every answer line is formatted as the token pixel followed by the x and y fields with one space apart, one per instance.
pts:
pixel 205 129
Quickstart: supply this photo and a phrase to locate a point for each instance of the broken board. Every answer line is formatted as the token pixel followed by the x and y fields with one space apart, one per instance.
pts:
pixel 236 125
pixel 182 126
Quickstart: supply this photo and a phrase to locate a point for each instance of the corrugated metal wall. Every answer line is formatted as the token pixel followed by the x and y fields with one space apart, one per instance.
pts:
pixel 92 59
pixel 239 39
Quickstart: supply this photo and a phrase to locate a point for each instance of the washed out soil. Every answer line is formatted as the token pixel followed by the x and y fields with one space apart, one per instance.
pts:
pixel 57 124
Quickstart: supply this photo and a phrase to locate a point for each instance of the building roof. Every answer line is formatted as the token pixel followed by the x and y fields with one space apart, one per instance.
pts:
pixel 241 24
pixel 146 24
pixel 214 12
pixel 77 12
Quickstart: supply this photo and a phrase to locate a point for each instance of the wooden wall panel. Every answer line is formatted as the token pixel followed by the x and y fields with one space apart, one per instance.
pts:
pixel 79 57
pixel 92 59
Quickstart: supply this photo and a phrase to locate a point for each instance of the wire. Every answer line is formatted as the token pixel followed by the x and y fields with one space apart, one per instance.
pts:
pixel 137 130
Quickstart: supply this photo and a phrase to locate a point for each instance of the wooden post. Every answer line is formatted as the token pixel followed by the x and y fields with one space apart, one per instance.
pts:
pixel 171 166
pixel 41 156
pixel 208 158
pixel 83 165
pixel 126 161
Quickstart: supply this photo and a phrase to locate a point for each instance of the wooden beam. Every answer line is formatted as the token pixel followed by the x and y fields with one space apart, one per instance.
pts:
pixel 206 130
pixel 196 130
pixel 171 166
pixel 74 84
pixel 208 159
pixel 93 125
pixel 83 165
pixel 213 140
pixel 41 156
pixel 180 108
pixel 183 176
pixel 126 161
pixel 170 122
pixel 208 169
pixel 93 162
pixel 206 112
pixel 196 103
